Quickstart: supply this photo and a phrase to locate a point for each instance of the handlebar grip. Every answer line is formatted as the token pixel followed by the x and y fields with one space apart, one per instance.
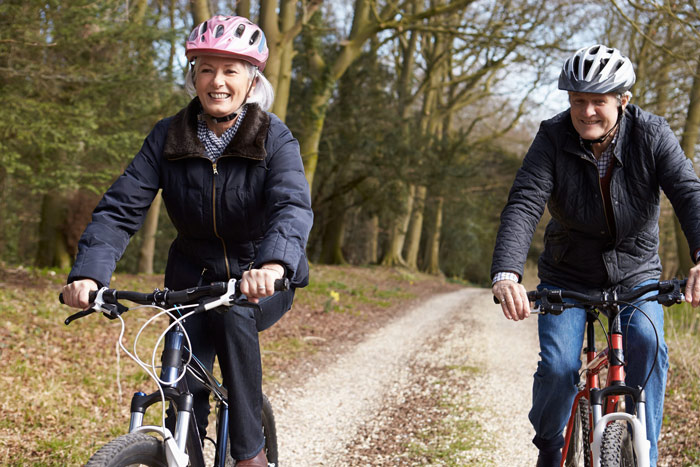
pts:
pixel 283 284
pixel 91 297
pixel 531 296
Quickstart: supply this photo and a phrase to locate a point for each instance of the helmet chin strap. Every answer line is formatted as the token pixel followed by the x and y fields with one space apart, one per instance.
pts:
pixel 606 135
pixel 227 118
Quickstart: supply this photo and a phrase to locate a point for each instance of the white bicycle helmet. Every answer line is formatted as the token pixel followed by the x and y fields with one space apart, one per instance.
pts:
pixel 597 69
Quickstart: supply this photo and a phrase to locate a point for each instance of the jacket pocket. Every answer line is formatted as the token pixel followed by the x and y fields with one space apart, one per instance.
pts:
pixel 557 244
pixel 645 242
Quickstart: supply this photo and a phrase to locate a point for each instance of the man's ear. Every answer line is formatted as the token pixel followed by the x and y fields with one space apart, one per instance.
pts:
pixel 624 101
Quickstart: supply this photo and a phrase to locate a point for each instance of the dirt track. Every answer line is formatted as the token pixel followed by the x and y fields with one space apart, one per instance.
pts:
pixel 366 406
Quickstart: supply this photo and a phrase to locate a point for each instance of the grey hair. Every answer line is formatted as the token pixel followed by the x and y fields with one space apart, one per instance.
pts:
pixel 621 95
pixel 263 94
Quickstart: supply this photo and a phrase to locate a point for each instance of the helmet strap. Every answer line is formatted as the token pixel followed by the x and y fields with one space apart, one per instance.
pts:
pixel 606 135
pixel 226 118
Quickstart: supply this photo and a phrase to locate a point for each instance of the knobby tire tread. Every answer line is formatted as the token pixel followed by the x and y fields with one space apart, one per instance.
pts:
pixel 579 452
pixel 270 432
pixel 616 447
pixel 130 449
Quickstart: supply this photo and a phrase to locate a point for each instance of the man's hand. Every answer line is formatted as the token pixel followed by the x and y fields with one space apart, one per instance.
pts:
pixel 513 298
pixel 692 287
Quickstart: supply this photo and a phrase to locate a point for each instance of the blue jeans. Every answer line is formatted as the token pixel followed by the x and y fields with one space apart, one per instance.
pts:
pixel 557 375
pixel 233 338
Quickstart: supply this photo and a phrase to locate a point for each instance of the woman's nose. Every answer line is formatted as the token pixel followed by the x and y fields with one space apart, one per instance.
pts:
pixel 218 78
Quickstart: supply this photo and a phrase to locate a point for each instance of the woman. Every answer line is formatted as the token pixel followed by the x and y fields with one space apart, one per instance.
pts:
pixel 234 187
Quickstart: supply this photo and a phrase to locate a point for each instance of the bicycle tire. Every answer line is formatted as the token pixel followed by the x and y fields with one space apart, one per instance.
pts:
pixel 131 449
pixel 579 452
pixel 616 446
pixel 270 432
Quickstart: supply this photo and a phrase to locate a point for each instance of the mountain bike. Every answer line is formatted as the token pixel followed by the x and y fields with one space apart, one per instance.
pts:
pixel 179 443
pixel 601 431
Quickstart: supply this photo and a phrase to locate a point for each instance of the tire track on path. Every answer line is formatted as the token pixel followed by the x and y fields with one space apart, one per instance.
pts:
pixel 316 421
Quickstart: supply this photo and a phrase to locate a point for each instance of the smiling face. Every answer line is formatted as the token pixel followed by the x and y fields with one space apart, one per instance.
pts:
pixel 221 84
pixel 593 115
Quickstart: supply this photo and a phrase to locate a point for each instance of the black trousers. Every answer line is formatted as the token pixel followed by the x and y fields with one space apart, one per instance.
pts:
pixel 233 338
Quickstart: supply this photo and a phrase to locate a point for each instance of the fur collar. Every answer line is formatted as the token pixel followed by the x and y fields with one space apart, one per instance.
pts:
pixel 249 141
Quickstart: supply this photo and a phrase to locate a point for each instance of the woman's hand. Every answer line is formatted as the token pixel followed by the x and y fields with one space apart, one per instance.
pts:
pixel 692 287
pixel 258 283
pixel 513 298
pixel 77 293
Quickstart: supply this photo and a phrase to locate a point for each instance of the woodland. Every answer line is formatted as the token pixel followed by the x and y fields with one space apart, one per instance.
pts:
pixel 412 116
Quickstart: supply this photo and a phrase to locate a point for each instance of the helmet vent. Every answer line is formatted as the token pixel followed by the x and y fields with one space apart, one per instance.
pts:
pixel 219 31
pixel 239 30
pixel 203 28
pixel 254 37
pixel 193 34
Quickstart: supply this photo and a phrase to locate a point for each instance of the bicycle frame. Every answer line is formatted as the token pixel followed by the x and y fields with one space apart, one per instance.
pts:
pixel 186 433
pixel 612 395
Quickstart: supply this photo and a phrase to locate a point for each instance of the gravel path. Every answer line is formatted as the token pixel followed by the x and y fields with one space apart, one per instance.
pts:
pixel 346 406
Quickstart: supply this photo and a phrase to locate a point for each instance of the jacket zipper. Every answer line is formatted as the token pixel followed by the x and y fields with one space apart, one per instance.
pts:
pixel 602 199
pixel 213 205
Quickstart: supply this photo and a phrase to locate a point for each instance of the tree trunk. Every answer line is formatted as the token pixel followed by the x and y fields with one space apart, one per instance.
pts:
pixel 373 242
pixel 243 8
pixel 331 251
pixel 688 141
pixel 397 235
pixel 416 228
pixel 52 250
pixel 432 250
pixel 200 11
pixel 148 231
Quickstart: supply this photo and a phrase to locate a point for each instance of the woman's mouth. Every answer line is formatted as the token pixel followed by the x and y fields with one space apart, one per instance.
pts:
pixel 219 95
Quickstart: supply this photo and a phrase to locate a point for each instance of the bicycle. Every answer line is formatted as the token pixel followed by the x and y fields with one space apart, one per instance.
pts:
pixel 600 432
pixel 182 446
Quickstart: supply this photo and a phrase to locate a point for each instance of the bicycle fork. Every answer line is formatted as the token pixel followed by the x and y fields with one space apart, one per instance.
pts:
pixel 614 393
pixel 175 443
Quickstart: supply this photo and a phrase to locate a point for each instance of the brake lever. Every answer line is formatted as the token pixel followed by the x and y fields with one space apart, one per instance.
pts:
pixel 110 310
pixel 674 296
pixel 78 315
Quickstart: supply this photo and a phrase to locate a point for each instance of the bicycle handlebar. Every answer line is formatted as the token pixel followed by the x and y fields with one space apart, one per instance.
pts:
pixel 551 300
pixel 220 294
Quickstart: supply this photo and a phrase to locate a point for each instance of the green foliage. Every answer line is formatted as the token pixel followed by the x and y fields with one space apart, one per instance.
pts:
pixel 81 87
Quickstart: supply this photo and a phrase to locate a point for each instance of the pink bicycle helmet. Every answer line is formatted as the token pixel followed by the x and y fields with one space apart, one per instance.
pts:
pixel 229 36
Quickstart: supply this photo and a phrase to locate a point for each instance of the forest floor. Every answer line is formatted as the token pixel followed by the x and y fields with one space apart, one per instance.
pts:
pixel 373 366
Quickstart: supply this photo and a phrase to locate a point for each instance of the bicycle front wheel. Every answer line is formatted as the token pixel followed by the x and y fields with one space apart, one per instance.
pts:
pixel 270 432
pixel 616 448
pixel 579 452
pixel 132 449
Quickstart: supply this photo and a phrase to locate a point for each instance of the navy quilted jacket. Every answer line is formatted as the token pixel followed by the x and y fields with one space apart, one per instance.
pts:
pixel 580 252
pixel 250 207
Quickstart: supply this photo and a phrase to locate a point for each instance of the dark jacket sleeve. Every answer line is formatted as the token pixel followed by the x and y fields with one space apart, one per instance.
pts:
pixel 288 203
pixel 678 180
pixel 526 201
pixel 120 213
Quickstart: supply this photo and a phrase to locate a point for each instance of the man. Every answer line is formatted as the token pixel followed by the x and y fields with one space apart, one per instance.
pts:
pixel 599 166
